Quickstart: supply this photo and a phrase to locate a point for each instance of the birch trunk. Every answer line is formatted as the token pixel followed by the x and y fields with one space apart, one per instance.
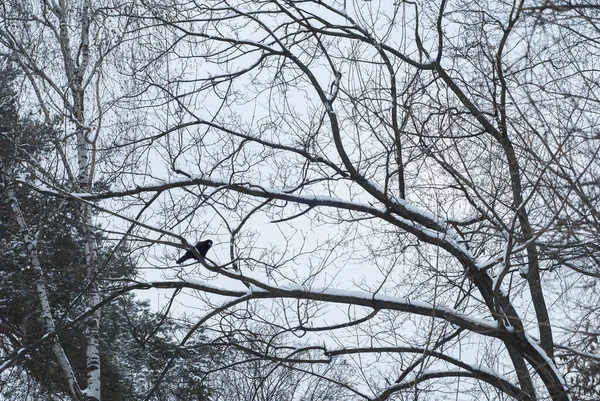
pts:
pixel 42 293
pixel 75 70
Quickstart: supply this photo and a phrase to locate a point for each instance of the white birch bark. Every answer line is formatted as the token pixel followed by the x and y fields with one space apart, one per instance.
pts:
pixel 42 293
pixel 85 184
pixel 75 70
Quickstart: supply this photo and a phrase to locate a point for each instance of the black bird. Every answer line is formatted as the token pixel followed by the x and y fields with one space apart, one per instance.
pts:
pixel 202 247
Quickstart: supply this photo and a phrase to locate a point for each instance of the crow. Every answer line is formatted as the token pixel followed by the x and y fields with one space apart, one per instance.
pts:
pixel 202 247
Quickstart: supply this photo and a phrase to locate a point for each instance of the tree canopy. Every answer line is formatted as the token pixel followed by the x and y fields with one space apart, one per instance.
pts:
pixel 402 198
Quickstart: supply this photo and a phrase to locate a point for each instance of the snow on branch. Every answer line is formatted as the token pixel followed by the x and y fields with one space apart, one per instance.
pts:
pixel 405 216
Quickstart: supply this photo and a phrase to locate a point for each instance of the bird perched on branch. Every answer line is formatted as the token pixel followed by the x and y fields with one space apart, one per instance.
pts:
pixel 202 247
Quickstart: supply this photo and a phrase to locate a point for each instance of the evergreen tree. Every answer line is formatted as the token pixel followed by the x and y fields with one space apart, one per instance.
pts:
pixel 135 341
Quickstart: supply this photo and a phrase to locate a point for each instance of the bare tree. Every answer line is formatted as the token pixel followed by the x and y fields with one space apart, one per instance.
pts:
pixel 60 48
pixel 412 187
